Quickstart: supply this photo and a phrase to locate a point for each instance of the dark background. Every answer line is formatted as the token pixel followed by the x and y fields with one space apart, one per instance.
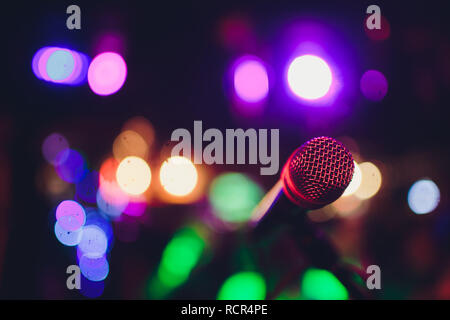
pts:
pixel 176 67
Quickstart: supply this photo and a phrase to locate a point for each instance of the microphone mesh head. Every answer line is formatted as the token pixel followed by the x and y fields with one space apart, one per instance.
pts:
pixel 318 172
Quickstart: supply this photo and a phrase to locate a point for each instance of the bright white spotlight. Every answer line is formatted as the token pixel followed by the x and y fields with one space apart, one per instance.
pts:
pixel 178 176
pixel 309 77
pixel 423 197
pixel 133 175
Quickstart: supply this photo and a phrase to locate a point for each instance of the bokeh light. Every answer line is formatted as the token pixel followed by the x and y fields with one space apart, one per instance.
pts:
pixel 96 218
pixel 70 215
pixel 111 199
pixel 250 80
pixel 133 175
pixel 318 284
pixel 60 65
pixel 66 237
pixel 355 182
pixel 107 73
pixel 243 286
pixel 180 256
pixel 370 182
pixel 143 127
pixel 130 143
pixel 94 242
pixel 73 169
pixel 373 85
pixel 233 197
pixel 309 77
pixel 136 206
pixel 52 148
pixel 178 176
pixel 94 269
pixel 423 196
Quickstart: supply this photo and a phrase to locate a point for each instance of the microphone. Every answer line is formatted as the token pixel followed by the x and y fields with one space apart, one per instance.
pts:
pixel 315 175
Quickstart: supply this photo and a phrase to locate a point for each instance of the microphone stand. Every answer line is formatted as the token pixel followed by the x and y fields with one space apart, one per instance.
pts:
pixel 316 245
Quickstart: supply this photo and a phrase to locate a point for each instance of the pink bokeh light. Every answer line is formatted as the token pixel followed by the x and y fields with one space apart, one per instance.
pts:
pixel 251 82
pixel 107 73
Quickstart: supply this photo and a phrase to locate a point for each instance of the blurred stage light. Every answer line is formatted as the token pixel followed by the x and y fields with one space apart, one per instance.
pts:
pixel 136 206
pixel 94 242
pixel 52 147
pixel 318 284
pixel 133 175
pixel 370 182
pixel 111 199
pixel 233 197
pixel 130 143
pixel 250 79
pixel 180 256
pixel 67 238
pixel 354 183
pixel 60 65
pixel 70 215
pixel 309 77
pixel 423 196
pixel 178 176
pixel 95 218
pixel 94 269
pixel 243 286
pixel 107 73
pixel 143 127
pixel 73 169
pixel 373 85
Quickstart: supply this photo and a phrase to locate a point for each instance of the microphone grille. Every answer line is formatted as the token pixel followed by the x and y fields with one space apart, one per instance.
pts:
pixel 318 172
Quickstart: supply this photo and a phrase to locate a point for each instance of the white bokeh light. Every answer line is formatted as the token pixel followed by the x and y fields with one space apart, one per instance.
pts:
pixel 309 77
pixel 423 196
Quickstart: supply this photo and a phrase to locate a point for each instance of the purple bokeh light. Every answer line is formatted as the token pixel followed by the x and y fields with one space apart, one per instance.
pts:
pixel 250 80
pixel 60 65
pixel 373 85
pixel 94 269
pixel 74 168
pixel 52 148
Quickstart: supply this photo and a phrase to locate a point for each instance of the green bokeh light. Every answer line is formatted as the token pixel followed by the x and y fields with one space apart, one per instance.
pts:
pixel 243 286
pixel 318 284
pixel 180 256
pixel 233 197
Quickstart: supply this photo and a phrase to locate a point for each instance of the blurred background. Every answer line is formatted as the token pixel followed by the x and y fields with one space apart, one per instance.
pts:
pixel 86 173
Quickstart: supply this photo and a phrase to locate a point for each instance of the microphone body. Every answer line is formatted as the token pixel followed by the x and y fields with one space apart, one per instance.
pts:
pixel 315 175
